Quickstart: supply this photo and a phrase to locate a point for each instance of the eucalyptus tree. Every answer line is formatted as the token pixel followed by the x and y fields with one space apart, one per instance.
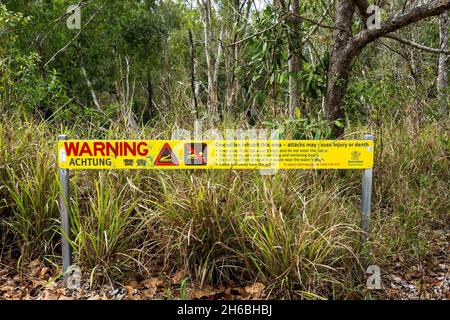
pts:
pixel 347 45
pixel 443 64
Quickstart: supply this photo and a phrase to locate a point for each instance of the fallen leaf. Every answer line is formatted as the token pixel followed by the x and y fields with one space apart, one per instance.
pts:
pixel 239 291
pixel 17 278
pixel 413 275
pixel 6 288
pixel 61 291
pixel 177 276
pixel 50 296
pixel 129 290
pixel 255 288
pixel 204 293
pixel 44 271
pixel 153 283
pixel 38 283
pixel 149 293
pixel 35 263
pixel 134 284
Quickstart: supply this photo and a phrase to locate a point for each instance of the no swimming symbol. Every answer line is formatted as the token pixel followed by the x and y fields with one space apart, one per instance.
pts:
pixel 195 154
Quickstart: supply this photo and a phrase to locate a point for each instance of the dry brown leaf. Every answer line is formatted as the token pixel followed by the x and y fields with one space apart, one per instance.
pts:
pixel 177 276
pixel 134 284
pixel 38 283
pixel 6 288
pixel 17 278
pixel 153 283
pixel 48 295
pixel 413 275
pixel 44 271
pixel 255 288
pixel 239 291
pixel 227 296
pixel 14 295
pixel 61 291
pixel 204 293
pixel 35 263
pixel 129 290
pixel 149 293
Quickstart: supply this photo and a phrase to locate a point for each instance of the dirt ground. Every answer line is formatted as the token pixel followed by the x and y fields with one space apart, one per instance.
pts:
pixel 401 279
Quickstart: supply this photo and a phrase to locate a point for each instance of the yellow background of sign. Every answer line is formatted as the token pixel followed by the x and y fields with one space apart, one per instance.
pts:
pixel 237 154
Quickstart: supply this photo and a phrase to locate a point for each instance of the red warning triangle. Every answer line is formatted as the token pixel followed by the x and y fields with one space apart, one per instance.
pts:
pixel 166 157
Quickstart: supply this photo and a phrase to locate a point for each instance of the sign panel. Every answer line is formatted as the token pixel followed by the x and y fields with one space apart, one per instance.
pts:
pixel 215 154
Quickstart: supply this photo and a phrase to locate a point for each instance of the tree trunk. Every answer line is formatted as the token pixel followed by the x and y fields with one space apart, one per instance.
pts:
pixel 215 109
pixel 442 79
pixel 91 88
pixel 346 47
pixel 340 64
pixel 210 65
pixel 192 60
pixel 295 58
pixel 232 59
pixel 148 114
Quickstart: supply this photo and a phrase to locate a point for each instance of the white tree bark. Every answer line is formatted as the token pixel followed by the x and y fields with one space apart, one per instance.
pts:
pixel 206 9
pixel 442 79
pixel 295 57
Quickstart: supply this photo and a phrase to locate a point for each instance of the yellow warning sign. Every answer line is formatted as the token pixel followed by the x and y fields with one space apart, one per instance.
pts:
pixel 214 154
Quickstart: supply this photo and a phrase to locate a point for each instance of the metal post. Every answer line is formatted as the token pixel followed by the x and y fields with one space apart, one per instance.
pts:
pixel 366 197
pixel 63 175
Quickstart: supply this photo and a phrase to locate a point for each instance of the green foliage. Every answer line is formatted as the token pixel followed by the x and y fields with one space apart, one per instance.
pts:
pixel 303 128
pixel 105 227
pixel 264 58
pixel 411 191
pixel 313 80
pixel 296 231
pixel 29 189
pixel 24 86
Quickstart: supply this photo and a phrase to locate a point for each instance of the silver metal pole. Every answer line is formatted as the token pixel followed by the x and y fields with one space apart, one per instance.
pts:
pixel 64 212
pixel 366 197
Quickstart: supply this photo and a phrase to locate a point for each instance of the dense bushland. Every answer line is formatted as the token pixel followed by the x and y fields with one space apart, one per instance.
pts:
pixel 141 69
pixel 296 231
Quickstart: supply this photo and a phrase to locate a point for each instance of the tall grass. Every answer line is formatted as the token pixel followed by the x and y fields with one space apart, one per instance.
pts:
pixel 296 231
pixel 227 226
pixel 105 226
pixel 411 194
pixel 29 188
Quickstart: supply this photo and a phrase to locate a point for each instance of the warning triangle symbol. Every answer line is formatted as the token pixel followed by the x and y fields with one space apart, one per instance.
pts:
pixel 166 157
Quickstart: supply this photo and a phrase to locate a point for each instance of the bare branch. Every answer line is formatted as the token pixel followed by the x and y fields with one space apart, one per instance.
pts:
pixel 394 23
pixel 53 24
pixel 415 45
pixel 322 18
pixel 259 32
pixel 316 23
pixel 284 17
pixel 72 40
